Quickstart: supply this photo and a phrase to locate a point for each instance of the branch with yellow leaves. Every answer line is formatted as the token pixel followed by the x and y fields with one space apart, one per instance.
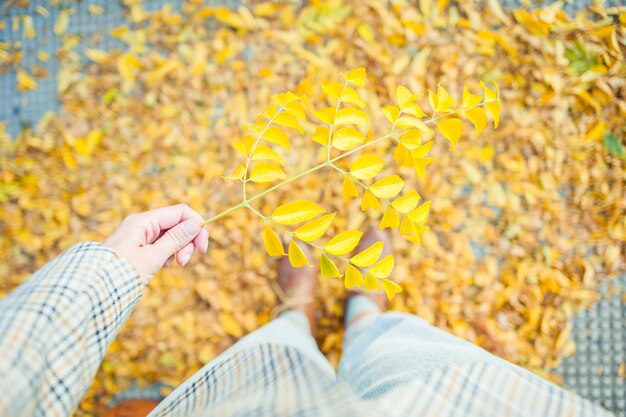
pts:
pixel 339 131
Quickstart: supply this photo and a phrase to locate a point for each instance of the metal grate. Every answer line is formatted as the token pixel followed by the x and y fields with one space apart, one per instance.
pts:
pixel 19 109
pixel 600 336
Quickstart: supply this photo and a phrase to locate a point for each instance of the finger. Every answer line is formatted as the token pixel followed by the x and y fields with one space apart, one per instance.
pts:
pixel 175 239
pixel 202 240
pixel 168 262
pixel 167 217
pixel 183 255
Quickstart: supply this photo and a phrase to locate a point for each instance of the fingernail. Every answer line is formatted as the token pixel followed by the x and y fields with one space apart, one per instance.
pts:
pixel 186 259
pixel 206 245
pixel 192 227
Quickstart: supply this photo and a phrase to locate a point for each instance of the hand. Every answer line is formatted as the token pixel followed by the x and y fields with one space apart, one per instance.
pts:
pixel 150 240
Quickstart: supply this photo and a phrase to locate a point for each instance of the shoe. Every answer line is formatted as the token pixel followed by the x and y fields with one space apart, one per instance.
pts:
pixel 131 408
pixel 296 288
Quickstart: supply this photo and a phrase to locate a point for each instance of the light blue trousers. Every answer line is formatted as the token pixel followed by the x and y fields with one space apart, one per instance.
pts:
pixel 380 350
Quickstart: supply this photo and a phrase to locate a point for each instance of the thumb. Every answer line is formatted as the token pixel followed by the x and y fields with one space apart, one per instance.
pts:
pixel 176 238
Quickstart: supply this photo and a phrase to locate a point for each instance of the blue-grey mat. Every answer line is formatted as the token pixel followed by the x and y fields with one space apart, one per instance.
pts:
pixel 600 332
pixel 600 336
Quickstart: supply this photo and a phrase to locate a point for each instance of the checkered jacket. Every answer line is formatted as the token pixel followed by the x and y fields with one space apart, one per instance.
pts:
pixel 55 330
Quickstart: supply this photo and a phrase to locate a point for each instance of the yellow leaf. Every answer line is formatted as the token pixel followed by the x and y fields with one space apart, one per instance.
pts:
pixel 414 110
pixel 391 288
pixel 42 11
pixel 67 157
pixel 347 138
pixel 286 119
pixel 24 81
pixel 596 131
pixel 348 189
pixel 237 173
pixel 275 135
pixel 368 256
pixel 94 9
pixel 96 55
pixel 350 95
pixel 267 172
pixel 402 156
pixel 492 102
pixel 366 167
pixel 321 135
pixel 328 269
pixel 418 28
pixel 263 152
pixel 60 26
pixel 119 31
pixel 343 242
pixel 391 113
pixel 371 283
pixel 230 325
pixel 356 76
pixel 29 30
pixel 494 109
pixel 333 90
pixel 272 242
pixel 407 122
pixel 92 140
pixel 404 96
pixel 451 129
pixel 296 109
pixel 369 201
pixel 297 211
pixel 326 115
pixel 400 63
pixel 407 228
pixel 270 112
pixel 285 99
pixel 127 65
pixel 422 151
pixel 420 214
pixel 43 56
pixel 353 277
pixel 478 117
pixel 315 228
pixel 421 164
pixel 440 102
pixel 387 187
pixel 382 269
pixel 366 32
pixel 350 116
pixel 469 99
pixel 297 258
pixel 390 219
pixel 80 145
pixel 407 202
pixel 230 18
pixel 244 146
pixel 416 238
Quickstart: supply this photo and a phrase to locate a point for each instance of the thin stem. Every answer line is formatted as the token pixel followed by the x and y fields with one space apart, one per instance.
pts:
pixel 346 173
pixel 326 163
pixel 254 145
pixel 332 126
pixel 295 177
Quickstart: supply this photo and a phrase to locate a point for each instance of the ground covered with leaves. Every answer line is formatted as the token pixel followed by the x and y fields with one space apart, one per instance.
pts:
pixel 526 220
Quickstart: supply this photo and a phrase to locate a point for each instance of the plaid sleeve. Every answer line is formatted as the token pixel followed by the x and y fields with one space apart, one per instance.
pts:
pixel 56 328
